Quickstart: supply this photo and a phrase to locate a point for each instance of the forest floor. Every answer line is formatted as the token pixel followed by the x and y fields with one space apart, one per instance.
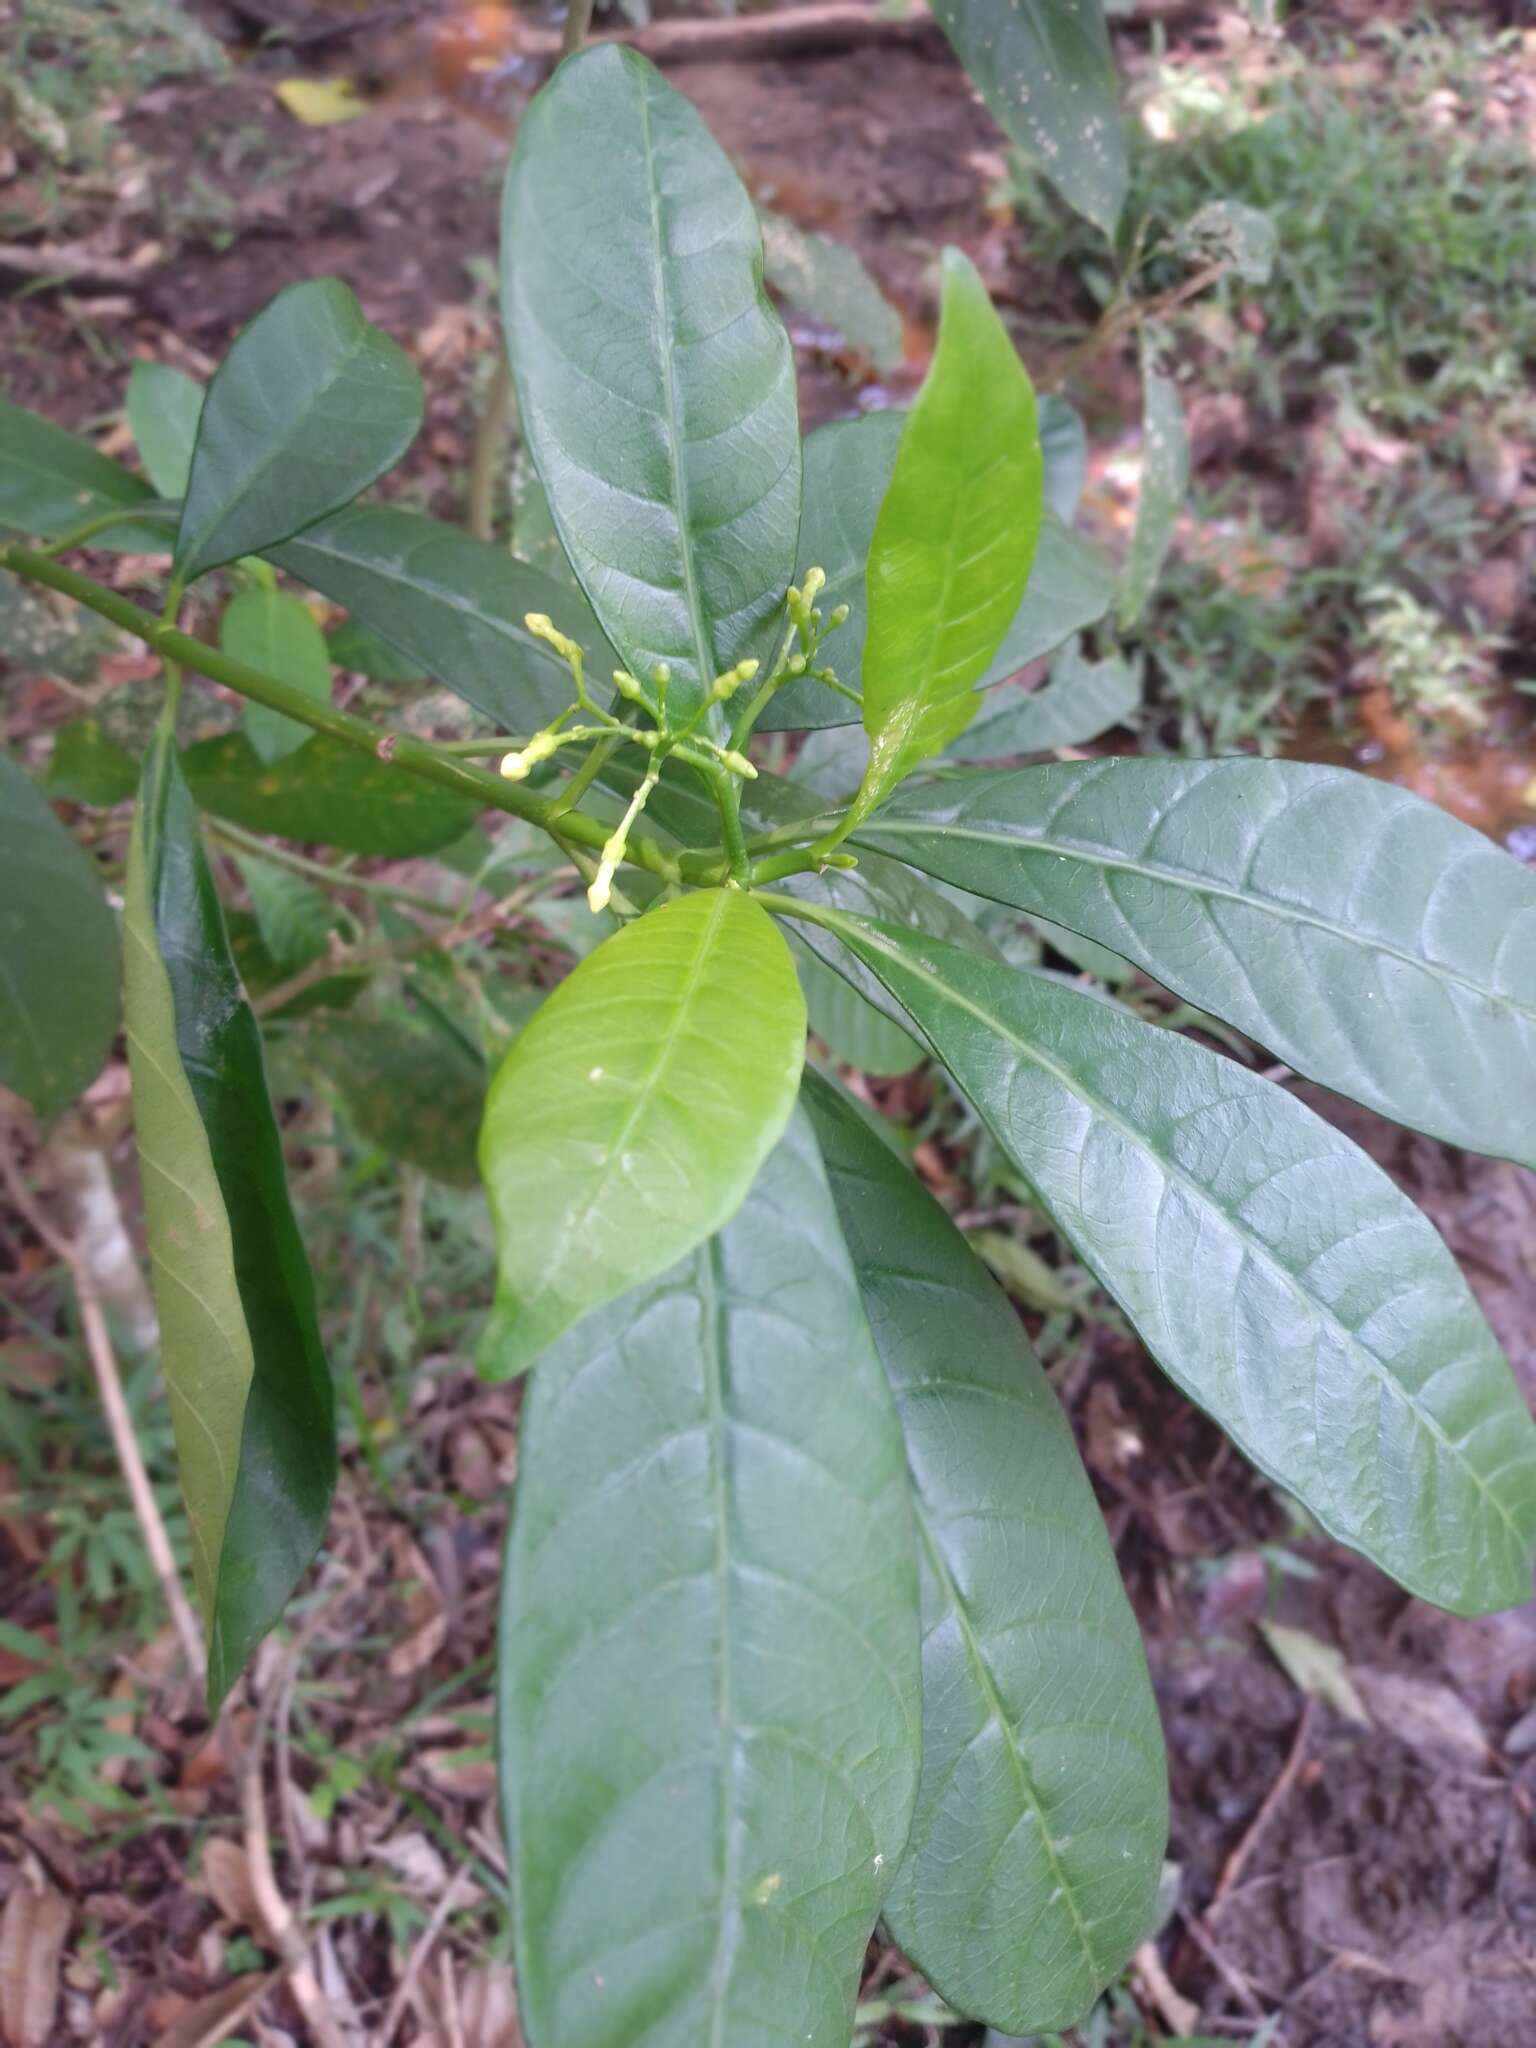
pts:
pixel 1353 1773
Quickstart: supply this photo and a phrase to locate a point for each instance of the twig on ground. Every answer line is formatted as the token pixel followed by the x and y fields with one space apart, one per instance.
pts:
pixel 109 1385
pixel 400 2003
pixel 71 263
pixel 1173 2008
pixel 1232 1869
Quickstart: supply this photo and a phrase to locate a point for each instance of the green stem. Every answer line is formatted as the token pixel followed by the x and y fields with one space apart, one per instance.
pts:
pixel 728 797
pixel 416 757
pixel 578 19
pixel 168 617
pixel 319 871
pixel 120 515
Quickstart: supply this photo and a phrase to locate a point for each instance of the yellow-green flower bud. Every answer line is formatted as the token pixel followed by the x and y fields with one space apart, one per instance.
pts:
pixel 515 766
pixel 738 763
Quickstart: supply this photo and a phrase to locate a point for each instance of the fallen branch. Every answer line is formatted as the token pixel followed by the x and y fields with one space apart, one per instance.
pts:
pixel 1233 1868
pixel 72 263
pixel 98 1344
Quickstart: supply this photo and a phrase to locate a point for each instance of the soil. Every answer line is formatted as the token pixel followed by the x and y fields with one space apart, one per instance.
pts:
pixel 1389 1896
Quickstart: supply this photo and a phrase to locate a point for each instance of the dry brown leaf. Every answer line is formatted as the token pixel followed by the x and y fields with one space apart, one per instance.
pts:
pixel 32 1931
pixel 227 1881
pixel 209 2020
pixel 1423 1714
pixel 487 2010
pixel 415 1862
pixel 458 1774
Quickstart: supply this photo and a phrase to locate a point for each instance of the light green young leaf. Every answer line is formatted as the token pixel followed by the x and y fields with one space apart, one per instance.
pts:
pixel 1272 1269
pixel 1047 74
pixel 453 605
pixel 656 384
pixel 89 766
pixel 52 481
pixel 1032 1867
pixel 1164 482
pixel 308 407
pixel 250 1394
pixel 848 467
pixel 629 1117
pixel 58 953
pixel 708 1664
pixel 1367 938
pixel 954 540
pixel 277 634
pixel 826 280
pixel 1081 700
pixel 164 406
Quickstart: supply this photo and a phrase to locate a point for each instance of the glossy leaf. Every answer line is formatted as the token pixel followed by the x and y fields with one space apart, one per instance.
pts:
pixel 1275 1273
pixel 58 953
pixel 1081 700
pixel 164 406
pixel 708 1685
pixel 1047 75
pixel 308 407
pixel 848 468
pixel 277 634
pixel 452 605
pixel 52 481
pixel 628 1119
pixel 250 1393
pixel 954 538
pixel 90 767
pixel 1032 1869
pixel 826 280
pixel 413 1089
pixel 1365 937
pixel 656 384
pixel 1164 483
pixel 327 793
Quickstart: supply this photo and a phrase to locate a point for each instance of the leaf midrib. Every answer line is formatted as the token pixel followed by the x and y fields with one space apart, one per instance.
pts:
pixel 1195 884
pixel 1255 1247
pixel 729 1911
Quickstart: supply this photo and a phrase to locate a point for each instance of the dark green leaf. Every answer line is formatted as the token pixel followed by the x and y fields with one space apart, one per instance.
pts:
pixel 1047 75
pixel 276 633
pixel 51 482
pixel 354 646
pixel 164 407
pixel 954 539
pixel 1064 450
pixel 708 1681
pixel 414 1090
pixel 295 919
pixel 240 1347
pixel 1273 1270
pixel 1365 937
pixel 1081 700
pixel 58 953
pixel 630 1116
pixel 309 406
pixel 326 793
pixel 656 384
pixel 1164 482
pixel 853 1030
pixel 826 280
pixel 260 973
pixel 89 767
pixel 848 469
pixel 1032 1869
pixel 452 605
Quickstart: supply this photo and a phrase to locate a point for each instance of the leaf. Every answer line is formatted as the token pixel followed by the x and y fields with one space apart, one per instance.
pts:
pixel 260 974
pixel 854 1032
pixel 1064 451
pixel 250 1393
pixel 1275 1273
pixel 826 280
pixel 848 468
pixel 416 1091
pixel 164 407
pixel 33 1929
pixel 1032 1868
pixel 630 1115
pixel 1164 482
pixel 656 384
pixel 954 539
pixel 1365 937
pixel 1047 75
pixel 1082 700
pixel 453 606
pixel 308 407
pixel 320 102
pixel 293 917
pixel 277 634
pixel 708 1664
pixel 51 482
pixel 353 646
pixel 89 767
pixel 58 954
pixel 1226 231
pixel 1315 1667
pixel 325 793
